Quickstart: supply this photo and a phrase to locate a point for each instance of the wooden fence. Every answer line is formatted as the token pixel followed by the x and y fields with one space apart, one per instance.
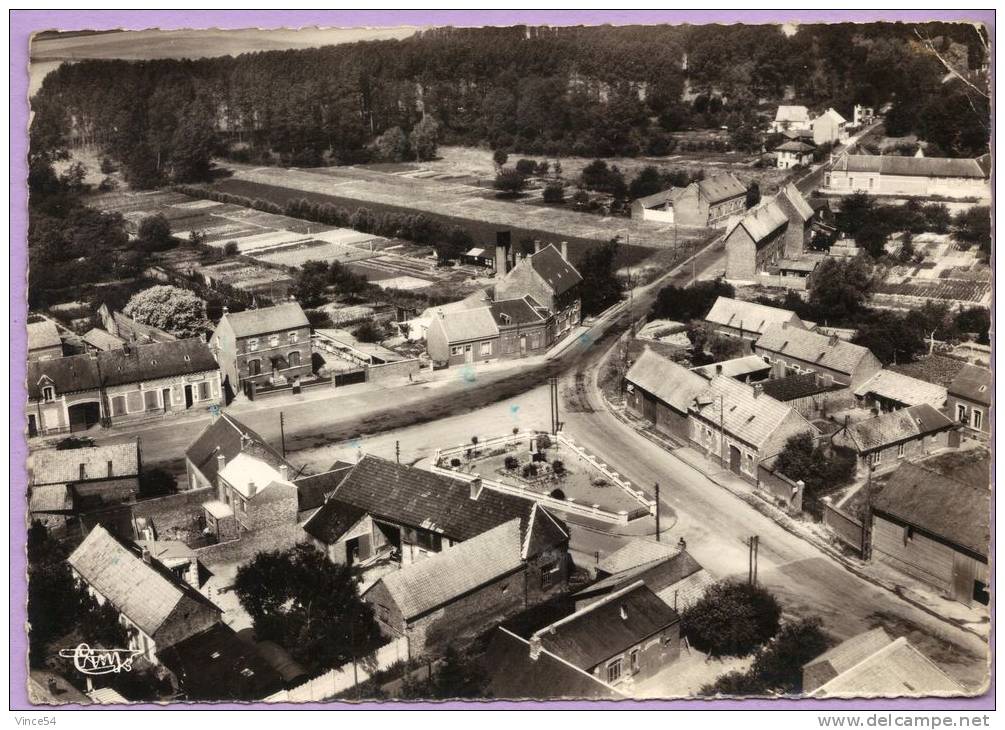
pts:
pixel 345 677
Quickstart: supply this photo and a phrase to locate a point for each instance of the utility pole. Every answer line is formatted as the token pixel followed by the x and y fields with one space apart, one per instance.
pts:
pixel 722 434
pixel 397 451
pixel 657 511
pixel 553 395
pixel 282 433
pixel 752 544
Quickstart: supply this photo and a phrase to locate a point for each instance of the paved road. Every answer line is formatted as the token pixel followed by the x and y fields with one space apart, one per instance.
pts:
pixel 716 525
pixel 814 180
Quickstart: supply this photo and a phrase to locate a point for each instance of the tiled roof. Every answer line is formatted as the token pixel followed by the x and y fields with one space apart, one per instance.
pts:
pixel 229 437
pixel 332 520
pixel 790 194
pixel 848 653
pixel 50 498
pixel 218 665
pixel 672 383
pixel 802 385
pixel 608 627
pixel 138 363
pixel 63 466
pixel 635 553
pixel 787 113
pixel 42 335
pixel 559 274
pixel 764 221
pixel 687 591
pixel 717 188
pixel 146 593
pixel 903 389
pixel 406 495
pixel 262 321
pixel 437 580
pixel 973 383
pixel 951 509
pixel 895 670
pixel 467 324
pixel 835 116
pixel 315 489
pixel 934 368
pixel 794 146
pixel 812 348
pixel 912 166
pixel 129 329
pixel 511 312
pixel 101 340
pixel 513 675
pixel 661 198
pixel 748 417
pixel 749 316
pixel 658 574
pixel 890 428
pixel 734 368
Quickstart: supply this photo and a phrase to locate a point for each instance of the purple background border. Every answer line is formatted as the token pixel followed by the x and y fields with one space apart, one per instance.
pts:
pixel 24 23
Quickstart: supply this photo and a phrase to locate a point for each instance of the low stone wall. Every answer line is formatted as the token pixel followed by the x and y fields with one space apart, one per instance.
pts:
pixel 392 370
pixel 847 528
pixel 780 490
pixel 255 393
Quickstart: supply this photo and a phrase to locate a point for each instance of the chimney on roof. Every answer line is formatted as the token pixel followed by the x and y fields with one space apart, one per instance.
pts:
pixel 785 325
pixel 535 647
pixel 284 472
pixel 502 252
pixel 252 489
pixel 624 612
pixel 718 368
pixel 832 340
pixel 145 554
pixel 221 461
pixel 537 246
pixel 565 250
pixel 226 309
pixel 476 488
pixel 758 389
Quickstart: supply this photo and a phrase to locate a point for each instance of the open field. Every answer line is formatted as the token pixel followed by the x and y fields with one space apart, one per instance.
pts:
pixel 455 204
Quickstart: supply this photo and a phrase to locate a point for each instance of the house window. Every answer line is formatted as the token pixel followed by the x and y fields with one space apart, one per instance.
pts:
pixel 456 350
pixel 244 506
pixel 119 405
pixel 978 418
pixel 294 359
pixel 150 400
pixel 486 348
pixel 981 594
pixel 428 540
pixel 875 457
pixel 961 413
pixel 549 574
pixel 750 463
pixel 633 661
pixel 134 401
pixel 204 390
pixel 614 671
pixel 274 341
pixel 254 367
pixel 901 449
pixel 48 394
pixel 293 338
pixel 252 344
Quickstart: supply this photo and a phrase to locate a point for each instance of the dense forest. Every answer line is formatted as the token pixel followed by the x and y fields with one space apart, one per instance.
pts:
pixel 592 91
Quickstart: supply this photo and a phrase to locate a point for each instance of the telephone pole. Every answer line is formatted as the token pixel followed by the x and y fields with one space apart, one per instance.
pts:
pixel 553 395
pixel 282 433
pixel 752 544
pixel 397 451
pixel 657 511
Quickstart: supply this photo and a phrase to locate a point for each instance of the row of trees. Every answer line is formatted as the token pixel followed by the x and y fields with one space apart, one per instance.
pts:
pixel 587 91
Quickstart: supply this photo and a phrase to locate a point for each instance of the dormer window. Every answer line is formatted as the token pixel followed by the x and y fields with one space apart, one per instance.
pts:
pixel 48 394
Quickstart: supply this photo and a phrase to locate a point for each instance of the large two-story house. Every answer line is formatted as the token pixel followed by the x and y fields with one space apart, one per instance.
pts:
pixel 551 281
pixel 262 346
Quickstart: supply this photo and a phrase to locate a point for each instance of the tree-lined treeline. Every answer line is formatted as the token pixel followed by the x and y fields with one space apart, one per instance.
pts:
pixel 594 91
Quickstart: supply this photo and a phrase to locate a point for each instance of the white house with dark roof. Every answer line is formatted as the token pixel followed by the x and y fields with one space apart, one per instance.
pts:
pixel 742 426
pixel 969 399
pixel 913 176
pixel 747 320
pixel 263 346
pixel 704 203
pixel 793 153
pixel 463 336
pixel 159 608
pixel 791 118
pixel 799 351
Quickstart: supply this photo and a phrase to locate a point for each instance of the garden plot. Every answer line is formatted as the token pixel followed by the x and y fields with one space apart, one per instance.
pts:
pixel 301 251
pixel 551 469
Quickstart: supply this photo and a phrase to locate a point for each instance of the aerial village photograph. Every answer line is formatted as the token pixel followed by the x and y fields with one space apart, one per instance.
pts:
pixel 508 362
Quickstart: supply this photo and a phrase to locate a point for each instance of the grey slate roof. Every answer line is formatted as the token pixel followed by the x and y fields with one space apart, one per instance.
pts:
pixel 608 627
pixel 512 312
pixel 441 578
pixel 954 510
pixel 751 419
pixel 793 387
pixel 673 384
pixel 101 340
pixel 138 363
pixel 902 425
pixel 559 274
pixel 973 383
pixel 146 594
pixel 734 368
pixel 794 146
pixel 750 316
pixel 313 490
pixel 63 466
pixel 722 187
pixel 252 322
pixel 812 348
pixel 406 495
pixel 637 552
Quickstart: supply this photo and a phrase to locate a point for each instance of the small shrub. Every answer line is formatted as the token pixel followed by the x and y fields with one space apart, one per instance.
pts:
pixel 474 440
pixel 544 441
pixel 516 430
pixel 529 470
pixel 455 462
pixel 558 467
pixel 230 248
pixel 526 167
pixel 554 193
pixel 557 494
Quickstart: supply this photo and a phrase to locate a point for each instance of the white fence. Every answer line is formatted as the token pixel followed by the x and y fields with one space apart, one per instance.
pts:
pixel 345 677
pixel 568 504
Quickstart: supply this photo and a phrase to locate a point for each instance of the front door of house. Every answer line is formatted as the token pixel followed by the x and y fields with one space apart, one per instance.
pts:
pixel 166 397
pixel 469 353
pixel 188 396
pixel 734 459
pixel 32 426
pixel 523 344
